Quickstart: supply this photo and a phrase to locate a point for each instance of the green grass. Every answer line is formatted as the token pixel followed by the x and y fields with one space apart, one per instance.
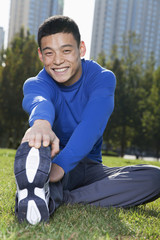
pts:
pixel 77 222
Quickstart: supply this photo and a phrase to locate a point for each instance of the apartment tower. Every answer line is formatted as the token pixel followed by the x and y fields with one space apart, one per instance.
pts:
pixel 30 14
pixel 113 19
pixel 1 38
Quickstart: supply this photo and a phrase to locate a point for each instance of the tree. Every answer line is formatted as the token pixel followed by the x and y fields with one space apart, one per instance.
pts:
pixel 123 127
pixel 21 62
pixel 141 138
pixel 151 116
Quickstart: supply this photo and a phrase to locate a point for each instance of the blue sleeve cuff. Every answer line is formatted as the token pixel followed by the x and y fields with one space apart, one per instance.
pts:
pixel 67 164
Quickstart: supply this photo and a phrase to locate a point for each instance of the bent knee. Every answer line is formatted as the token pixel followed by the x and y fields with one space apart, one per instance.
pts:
pixel 154 177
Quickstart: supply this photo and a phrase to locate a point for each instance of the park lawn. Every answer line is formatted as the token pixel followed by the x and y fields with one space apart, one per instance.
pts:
pixel 77 222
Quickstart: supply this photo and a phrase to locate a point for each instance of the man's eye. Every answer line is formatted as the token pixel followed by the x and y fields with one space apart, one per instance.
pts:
pixel 67 51
pixel 48 53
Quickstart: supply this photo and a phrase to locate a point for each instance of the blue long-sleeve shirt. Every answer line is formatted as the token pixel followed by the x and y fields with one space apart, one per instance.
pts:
pixel 78 113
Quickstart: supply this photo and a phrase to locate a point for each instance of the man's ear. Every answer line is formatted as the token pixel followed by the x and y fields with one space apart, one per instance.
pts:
pixel 82 49
pixel 40 55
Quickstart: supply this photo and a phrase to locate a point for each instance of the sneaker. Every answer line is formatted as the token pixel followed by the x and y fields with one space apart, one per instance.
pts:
pixel 31 168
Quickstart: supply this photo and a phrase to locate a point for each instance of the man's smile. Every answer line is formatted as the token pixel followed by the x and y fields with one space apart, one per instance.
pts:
pixel 60 70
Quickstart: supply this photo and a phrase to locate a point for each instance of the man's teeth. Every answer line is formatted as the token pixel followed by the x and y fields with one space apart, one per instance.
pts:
pixel 60 70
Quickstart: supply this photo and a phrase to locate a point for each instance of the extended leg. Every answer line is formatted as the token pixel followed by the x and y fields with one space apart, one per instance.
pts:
pixel 117 187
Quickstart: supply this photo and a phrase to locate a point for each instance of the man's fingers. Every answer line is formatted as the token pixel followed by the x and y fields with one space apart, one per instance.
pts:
pixel 55 147
pixel 34 140
pixel 31 143
pixel 46 140
pixel 38 140
pixel 28 138
pixel 42 134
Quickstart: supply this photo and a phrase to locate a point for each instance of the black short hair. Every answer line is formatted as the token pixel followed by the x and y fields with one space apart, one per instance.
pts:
pixel 58 24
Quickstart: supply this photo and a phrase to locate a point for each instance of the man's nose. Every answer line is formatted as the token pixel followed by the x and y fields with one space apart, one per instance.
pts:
pixel 58 59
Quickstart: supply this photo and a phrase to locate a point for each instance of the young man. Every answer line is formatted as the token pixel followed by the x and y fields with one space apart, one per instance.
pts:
pixel 69 103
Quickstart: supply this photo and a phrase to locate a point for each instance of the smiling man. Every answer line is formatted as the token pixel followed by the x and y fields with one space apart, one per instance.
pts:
pixel 61 54
pixel 59 160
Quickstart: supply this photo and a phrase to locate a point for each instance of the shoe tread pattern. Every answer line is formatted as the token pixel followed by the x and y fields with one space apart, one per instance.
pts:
pixel 39 181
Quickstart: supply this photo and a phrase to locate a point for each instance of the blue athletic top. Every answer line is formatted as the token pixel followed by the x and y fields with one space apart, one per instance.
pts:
pixel 78 113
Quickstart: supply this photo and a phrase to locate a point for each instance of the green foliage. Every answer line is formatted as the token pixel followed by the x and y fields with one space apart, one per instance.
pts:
pixel 20 63
pixel 76 222
pixel 151 116
pixel 135 121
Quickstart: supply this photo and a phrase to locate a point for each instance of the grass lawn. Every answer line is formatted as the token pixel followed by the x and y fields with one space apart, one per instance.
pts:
pixel 77 222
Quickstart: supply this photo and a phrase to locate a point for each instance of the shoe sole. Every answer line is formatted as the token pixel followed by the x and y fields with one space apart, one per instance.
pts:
pixel 31 170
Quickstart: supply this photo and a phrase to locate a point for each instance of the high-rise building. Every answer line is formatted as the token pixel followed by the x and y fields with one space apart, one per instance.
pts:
pixel 114 19
pixel 30 14
pixel 1 37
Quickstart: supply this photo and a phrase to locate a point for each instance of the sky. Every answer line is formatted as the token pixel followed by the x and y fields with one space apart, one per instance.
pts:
pixel 80 10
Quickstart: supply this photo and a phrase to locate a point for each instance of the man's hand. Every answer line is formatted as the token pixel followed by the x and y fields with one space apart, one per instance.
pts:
pixel 41 132
pixel 56 173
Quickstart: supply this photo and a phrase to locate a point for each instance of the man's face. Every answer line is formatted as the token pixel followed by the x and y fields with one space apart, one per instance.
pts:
pixel 62 57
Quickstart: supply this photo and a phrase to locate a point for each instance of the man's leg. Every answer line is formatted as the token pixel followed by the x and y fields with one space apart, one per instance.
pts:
pixel 31 168
pixel 118 187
